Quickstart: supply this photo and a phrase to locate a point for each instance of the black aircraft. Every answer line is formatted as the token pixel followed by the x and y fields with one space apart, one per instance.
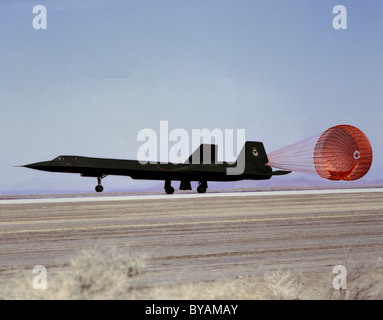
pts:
pixel 202 166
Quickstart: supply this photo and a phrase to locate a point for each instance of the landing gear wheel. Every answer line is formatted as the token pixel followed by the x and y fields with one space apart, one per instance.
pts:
pixel 201 189
pixel 99 187
pixel 202 186
pixel 169 190
pixel 168 187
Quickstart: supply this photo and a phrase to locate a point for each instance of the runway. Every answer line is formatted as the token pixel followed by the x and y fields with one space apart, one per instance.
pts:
pixel 100 197
pixel 191 237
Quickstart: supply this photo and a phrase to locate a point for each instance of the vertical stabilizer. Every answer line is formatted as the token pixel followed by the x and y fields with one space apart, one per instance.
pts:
pixel 252 159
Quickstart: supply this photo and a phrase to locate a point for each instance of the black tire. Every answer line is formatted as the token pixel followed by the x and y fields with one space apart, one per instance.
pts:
pixel 169 190
pixel 201 189
pixel 99 188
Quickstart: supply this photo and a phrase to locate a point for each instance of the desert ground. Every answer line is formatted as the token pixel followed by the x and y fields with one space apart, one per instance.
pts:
pixel 232 246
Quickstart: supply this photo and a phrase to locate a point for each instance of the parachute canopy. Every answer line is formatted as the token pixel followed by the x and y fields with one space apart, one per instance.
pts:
pixel 342 152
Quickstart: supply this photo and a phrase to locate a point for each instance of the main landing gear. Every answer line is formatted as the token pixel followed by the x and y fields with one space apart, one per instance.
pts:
pixel 168 187
pixel 202 186
pixel 99 187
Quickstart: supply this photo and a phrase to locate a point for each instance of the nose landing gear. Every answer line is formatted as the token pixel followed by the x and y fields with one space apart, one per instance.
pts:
pixel 99 187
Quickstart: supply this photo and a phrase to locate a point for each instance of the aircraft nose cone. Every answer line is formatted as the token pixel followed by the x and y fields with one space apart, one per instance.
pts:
pixel 32 165
pixel 37 165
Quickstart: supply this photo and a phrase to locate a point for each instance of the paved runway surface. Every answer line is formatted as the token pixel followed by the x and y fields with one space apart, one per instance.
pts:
pixel 198 238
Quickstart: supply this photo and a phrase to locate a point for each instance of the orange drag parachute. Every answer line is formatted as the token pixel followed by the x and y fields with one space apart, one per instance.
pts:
pixel 342 152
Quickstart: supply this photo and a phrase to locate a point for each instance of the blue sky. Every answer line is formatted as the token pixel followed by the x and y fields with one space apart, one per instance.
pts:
pixel 104 70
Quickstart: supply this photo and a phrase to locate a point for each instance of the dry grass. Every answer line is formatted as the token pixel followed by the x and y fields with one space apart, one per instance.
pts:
pixel 233 289
pixel 107 273
pixel 272 286
pixel 284 285
pixel 362 284
pixel 100 273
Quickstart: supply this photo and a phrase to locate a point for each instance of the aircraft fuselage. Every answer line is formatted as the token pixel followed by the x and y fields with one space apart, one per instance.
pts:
pixel 97 167
pixel 202 166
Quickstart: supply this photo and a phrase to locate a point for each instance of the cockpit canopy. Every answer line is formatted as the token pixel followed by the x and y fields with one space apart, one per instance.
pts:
pixel 65 158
